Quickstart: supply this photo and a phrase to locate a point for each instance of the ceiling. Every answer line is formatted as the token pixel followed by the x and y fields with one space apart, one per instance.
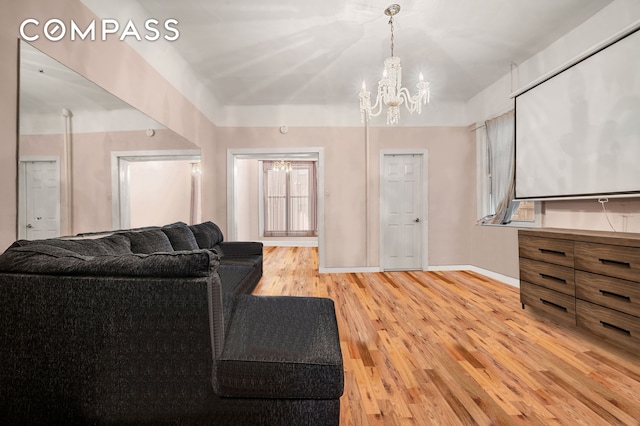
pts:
pixel 310 52
pixel 252 52
pixel 46 85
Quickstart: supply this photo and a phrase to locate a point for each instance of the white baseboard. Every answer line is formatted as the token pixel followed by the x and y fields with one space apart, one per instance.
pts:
pixel 496 276
pixel 349 270
pixel 273 243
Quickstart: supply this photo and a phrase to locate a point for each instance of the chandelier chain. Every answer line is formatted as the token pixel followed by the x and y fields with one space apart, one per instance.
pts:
pixel 392 37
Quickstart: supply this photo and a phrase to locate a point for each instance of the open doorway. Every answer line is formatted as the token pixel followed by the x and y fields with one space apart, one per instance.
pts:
pixel 245 190
pixel 155 188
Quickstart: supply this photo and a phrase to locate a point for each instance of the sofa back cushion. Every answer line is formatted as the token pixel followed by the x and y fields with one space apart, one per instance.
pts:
pixel 50 260
pixel 110 245
pixel 181 237
pixel 149 241
pixel 208 234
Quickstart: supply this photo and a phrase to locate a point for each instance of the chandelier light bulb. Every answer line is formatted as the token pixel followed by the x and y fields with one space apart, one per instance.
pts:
pixel 390 91
pixel 282 166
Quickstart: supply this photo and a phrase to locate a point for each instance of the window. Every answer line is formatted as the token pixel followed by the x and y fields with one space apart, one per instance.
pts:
pixel 496 176
pixel 290 200
pixel 524 212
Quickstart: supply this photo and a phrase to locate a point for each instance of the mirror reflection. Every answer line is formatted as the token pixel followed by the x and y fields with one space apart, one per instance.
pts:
pixel 88 162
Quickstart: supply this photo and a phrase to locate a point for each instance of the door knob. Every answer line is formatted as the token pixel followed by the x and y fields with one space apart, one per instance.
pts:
pixel 417 220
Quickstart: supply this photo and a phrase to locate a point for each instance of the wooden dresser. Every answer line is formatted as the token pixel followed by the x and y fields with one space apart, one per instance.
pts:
pixel 585 278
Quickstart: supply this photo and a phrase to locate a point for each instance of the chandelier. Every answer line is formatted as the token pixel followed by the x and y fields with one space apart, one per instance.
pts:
pixel 281 166
pixel 390 90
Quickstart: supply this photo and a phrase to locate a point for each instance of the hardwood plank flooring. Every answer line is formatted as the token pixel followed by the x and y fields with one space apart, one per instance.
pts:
pixel 456 348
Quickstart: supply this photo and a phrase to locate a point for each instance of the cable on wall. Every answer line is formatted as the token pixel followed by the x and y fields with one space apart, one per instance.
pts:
pixel 602 201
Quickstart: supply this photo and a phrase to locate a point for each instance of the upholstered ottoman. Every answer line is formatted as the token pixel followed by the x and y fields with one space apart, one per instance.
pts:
pixel 281 362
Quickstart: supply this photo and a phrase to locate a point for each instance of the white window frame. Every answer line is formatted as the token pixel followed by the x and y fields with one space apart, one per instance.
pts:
pixel 484 204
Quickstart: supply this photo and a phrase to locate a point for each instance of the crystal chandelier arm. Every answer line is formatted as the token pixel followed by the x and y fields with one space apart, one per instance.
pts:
pixel 376 110
pixel 404 94
pixel 415 102
pixel 411 102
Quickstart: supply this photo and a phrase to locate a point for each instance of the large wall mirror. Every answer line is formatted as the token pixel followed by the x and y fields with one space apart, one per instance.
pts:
pixel 88 162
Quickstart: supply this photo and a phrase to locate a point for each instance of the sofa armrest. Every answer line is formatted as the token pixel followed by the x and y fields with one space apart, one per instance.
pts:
pixel 241 248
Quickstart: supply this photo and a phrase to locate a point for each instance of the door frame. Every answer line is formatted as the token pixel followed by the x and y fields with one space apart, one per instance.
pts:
pixel 120 178
pixel 425 201
pixel 22 190
pixel 233 155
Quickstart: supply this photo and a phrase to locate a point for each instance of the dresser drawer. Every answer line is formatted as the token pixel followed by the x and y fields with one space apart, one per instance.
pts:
pixel 613 325
pixel 557 305
pixel 552 250
pixel 549 275
pixel 614 293
pixel 615 261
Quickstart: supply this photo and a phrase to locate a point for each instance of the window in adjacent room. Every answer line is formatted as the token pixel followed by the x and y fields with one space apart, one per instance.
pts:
pixel 290 199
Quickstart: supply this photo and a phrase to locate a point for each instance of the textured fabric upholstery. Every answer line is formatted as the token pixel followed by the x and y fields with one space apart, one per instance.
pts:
pixel 149 241
pixel 236 278
pixel 240 248
pixel 273 412
pixel 78 350
pixel 180 237
pixel 238 256
pixel 208 234
pixel 281 347
pixel 112 244
pixel 91 333
pixel 50 260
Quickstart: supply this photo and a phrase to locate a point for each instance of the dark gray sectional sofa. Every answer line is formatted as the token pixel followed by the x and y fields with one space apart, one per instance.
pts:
pixel 158 326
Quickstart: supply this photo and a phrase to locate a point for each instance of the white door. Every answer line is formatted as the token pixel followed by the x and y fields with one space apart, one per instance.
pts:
pixel 40 204
pixel 402 212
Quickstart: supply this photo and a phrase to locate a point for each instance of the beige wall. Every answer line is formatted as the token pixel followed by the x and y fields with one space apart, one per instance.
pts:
pixel 622 215
pixel 92 171
pixel 160 192
pixel 453 238
pixel 451 193
pixel 92 192
pixel 451 190
pixel 113 65
pixel 247 200
pixel 495 248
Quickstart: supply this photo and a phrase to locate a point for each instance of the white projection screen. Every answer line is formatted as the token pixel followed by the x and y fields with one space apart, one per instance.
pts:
pixel 578 132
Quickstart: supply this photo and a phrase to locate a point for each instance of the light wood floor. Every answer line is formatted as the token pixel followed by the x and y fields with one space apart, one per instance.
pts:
pixel 455 348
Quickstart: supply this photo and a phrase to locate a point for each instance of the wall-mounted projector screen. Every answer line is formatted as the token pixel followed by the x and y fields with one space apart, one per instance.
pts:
pixel 578 132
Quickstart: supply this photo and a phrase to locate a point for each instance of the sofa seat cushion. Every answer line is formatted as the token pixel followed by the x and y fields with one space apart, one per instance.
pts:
pixel 281 347
pixel 235 277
